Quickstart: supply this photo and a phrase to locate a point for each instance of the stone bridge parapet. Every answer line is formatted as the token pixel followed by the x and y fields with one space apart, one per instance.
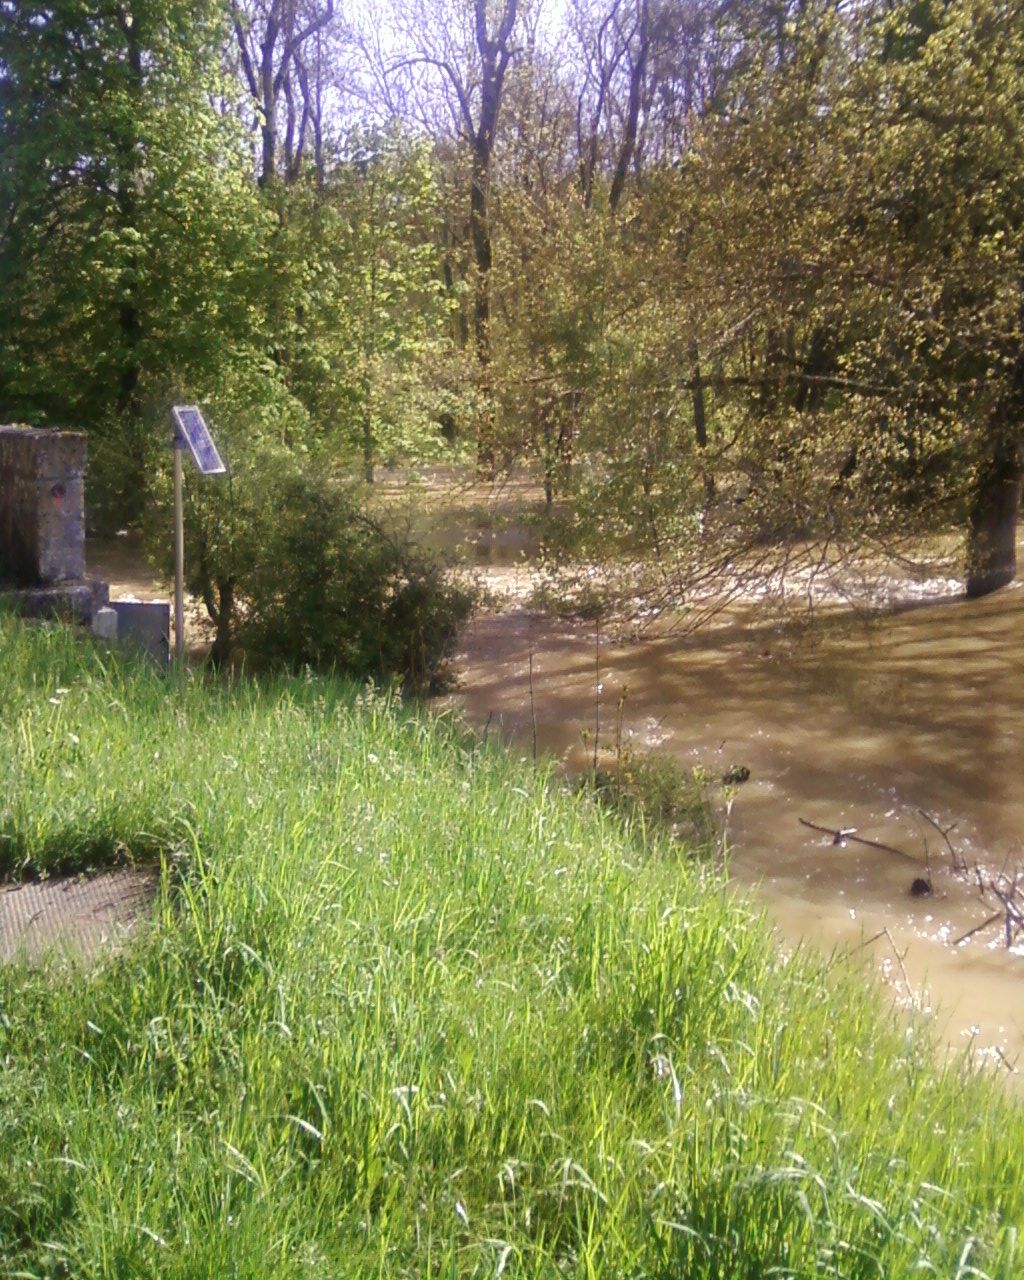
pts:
pixel 42 507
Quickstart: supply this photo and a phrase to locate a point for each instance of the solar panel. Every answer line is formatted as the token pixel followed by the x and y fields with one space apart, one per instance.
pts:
pixel 193 430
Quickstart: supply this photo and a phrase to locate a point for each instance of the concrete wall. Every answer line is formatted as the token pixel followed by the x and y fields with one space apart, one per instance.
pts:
pixel 42 509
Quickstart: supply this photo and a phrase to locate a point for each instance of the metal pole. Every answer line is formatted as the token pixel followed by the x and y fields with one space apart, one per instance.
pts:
pixel 179 556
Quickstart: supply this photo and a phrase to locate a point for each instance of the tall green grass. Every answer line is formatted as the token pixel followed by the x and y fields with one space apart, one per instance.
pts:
pixel 408 1009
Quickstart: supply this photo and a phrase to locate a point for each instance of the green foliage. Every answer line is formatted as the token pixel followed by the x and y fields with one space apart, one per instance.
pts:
pixel 803 324
pixel 552 287
pixel 408 1009
pixel 292 568
pixel 142 266
pixel 328 587
pixel 367 347
pixel 804 330
pixel 133 232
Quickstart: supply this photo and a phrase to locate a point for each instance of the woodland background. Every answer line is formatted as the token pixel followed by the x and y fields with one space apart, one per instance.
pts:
pixel 730 276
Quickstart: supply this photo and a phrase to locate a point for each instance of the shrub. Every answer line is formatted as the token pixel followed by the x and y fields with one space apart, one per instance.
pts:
pixel 332 588
pixel 292 569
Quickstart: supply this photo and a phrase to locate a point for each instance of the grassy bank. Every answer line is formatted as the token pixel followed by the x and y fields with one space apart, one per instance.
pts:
pixel 410 1010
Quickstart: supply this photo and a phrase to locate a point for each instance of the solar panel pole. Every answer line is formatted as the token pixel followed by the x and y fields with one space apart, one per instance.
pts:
pixel 191 432
pixel 179 554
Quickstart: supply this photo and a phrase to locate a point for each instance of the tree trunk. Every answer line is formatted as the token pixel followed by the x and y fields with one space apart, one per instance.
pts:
pixel 992 527
pixel 482 254
pixel 219 598
pixel 267 66
pixel 700 421
pixel 494 59
pixel 636 82
pixel 129 401
pixel 567 437
pixel 368 451
pixel 268 101
pixel 128 220
pixel 451 244
pixel 369 349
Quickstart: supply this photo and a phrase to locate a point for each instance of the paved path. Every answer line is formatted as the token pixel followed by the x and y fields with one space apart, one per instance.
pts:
pixel 76 913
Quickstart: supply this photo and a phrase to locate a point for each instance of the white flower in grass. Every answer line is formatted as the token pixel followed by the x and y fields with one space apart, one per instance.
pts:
pixel 661 1066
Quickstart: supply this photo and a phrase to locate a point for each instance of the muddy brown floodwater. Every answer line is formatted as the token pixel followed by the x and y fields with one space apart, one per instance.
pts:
pixel 849 725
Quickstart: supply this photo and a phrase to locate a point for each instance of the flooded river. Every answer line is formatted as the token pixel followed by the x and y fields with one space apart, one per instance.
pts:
pixel 849 725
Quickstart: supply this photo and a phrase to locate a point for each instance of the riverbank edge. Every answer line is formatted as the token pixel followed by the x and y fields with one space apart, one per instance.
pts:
pixel 406 998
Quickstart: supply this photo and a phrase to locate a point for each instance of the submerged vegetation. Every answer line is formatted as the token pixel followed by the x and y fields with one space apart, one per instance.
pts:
pixel 408 1008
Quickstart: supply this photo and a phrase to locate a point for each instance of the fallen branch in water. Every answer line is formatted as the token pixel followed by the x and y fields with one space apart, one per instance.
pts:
pixel 840 835
pixel 1009 890
pixel 1012 914
pixel 998 915
pixel 959 862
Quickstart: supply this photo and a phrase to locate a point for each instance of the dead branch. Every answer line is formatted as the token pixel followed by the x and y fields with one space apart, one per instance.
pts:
pixel 998 915
pixel 1007 889
pixel 959 863
pixel 841 835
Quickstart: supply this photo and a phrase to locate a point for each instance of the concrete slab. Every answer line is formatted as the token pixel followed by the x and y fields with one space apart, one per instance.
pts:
pixel 104 623
pixel 68 600
pixel 78 914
